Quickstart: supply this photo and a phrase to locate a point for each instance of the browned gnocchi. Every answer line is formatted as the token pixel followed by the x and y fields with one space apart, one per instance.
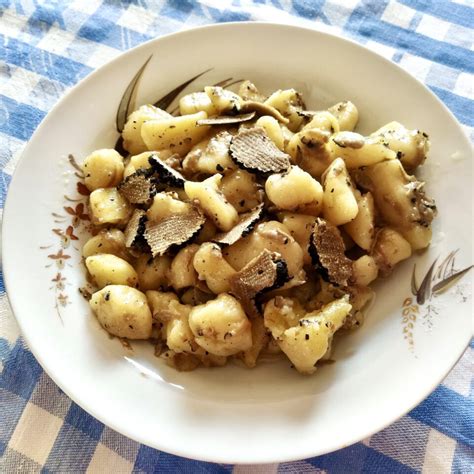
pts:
pixel 246 226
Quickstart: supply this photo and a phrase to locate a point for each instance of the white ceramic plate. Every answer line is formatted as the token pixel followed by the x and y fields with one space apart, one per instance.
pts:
pixel 271 413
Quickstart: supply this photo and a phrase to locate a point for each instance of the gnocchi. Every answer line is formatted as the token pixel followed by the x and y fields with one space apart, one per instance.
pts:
pixel 109 207
pixel 111 241
pixel 289 102
pixel 107 269
pixel 103 169
pixel 213 268
pixel 309 339
pixel 182 272
pixel 132 133
pixel 339 202
pixel 177 134
pixel 212 201
pixel 273 130
pixel 221 326
pixel 346 114
pixel 137 162
pixel 362 228
pixel 123 311
pixel 210 155
pixel 310 150
pixel 152 272
pixel 242 190
pixel 295 190
pixel 165 205
pixel 257 228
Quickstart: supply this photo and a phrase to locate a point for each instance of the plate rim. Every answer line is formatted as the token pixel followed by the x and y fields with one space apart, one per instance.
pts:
pixel 22 322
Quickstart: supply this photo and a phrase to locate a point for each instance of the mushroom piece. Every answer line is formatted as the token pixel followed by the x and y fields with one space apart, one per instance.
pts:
pixel 227 119
pixel 263 109
pixel 138 187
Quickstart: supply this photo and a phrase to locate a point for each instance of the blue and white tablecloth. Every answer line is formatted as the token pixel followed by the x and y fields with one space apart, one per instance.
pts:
pixel 46 46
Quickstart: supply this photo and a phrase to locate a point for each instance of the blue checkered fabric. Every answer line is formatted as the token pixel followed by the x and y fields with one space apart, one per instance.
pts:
pixel 46 46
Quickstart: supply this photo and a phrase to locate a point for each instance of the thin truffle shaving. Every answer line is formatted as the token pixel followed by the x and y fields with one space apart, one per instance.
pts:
pixel 135 230
pixel 326 248
pixel 244 227
pixel 253 150
pixel 265 272
pixel 139 187
pixel 173 230
pixel 165 173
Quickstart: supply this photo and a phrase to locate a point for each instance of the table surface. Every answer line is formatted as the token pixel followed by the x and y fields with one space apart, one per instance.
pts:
pixel 46 46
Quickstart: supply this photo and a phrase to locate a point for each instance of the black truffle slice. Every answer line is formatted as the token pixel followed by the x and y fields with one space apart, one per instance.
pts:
pixel 165 173
pixel 264 273
pixel 244 227
pixel 326 248
pixel 135 230
pixel 138 187
pixel 175 230
pixel 254 151
pixel 227 119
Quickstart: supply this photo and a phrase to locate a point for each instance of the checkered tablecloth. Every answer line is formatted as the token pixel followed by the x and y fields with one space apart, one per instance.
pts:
pixel 46 46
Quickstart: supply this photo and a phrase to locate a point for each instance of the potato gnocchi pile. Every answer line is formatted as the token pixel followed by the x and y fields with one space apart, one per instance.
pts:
pixel 249 226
